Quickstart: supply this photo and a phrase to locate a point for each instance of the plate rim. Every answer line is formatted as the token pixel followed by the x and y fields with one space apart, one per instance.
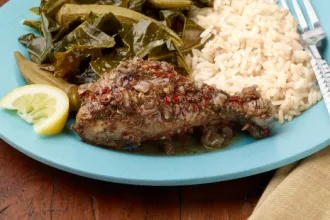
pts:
pixel 158 182
pixel 174 182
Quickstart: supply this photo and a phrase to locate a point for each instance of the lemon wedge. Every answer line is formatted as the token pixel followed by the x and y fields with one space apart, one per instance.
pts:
pixel 46 107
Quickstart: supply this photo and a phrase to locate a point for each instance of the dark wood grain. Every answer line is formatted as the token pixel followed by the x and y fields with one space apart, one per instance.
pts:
pixel 31 190
pixel 232 200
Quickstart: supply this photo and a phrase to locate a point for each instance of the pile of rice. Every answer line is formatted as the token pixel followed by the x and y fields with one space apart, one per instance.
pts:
pixel 255 42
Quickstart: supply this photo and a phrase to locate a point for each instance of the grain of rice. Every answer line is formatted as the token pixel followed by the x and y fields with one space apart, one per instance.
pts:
pixel 255 42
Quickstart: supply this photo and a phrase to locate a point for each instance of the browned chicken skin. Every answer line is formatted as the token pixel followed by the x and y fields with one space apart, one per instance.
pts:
pixel 147 100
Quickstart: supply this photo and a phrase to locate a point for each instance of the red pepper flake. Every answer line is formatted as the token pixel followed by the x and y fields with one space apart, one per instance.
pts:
pixel 93 96
pixel 104 99
pixel 159 73
pixel 206 103
pixel 167 100
pixel 176 98
pixel 196 108
pixel 105 90
pixel 234 98
pixel 170 75
pixel 133 83
pixel 124 133
pixel 211 88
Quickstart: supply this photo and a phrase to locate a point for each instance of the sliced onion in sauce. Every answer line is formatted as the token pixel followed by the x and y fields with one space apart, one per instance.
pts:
pixel 142 86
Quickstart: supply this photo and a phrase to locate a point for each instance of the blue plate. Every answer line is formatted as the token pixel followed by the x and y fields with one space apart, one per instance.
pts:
pixel 304 136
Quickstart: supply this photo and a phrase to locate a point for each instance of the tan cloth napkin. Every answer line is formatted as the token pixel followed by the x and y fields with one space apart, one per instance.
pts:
pixel 299 191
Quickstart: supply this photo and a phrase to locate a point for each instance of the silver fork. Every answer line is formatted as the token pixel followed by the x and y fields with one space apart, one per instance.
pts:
pixel 311 38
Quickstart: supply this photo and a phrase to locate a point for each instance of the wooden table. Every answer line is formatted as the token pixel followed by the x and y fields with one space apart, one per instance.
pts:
pixel 31 190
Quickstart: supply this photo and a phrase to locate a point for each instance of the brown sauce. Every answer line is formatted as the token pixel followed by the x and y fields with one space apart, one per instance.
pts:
pixel 188 144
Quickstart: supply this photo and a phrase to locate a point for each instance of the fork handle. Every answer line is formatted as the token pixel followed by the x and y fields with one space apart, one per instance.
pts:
pixel 322 73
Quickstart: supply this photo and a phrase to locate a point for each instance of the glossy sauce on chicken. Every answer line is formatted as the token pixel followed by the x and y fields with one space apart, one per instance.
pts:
pixel 147 100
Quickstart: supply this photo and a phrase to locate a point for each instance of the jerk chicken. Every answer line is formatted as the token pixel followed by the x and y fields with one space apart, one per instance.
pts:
pixel 147 100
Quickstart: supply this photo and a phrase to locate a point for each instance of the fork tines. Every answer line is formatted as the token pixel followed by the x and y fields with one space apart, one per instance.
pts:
pixel 311 38
pixel 301 18
pixel 311 13
pixel 302 21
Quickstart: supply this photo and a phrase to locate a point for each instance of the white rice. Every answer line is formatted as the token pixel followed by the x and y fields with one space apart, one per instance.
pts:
pixel 255 42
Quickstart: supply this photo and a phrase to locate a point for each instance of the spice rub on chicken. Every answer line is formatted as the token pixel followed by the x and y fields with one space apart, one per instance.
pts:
pixel 147 100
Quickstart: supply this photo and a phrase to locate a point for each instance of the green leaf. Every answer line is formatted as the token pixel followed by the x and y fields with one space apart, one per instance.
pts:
pixel 203 3
pixel 67 28
pixel 51 26
pixel 85 42
pixel 139 41
pixel 88 35
pixel 51 7
pixel 85 75
pixel 126 16
pixel 191 35
pixel 136 5
pixel 172 52
pixel 145 36
pixel 174 20
pixel 36 25
pixel 108 62
pixel 95 35
pixel 119 3
pixel 168 54
pixel 184 27
pixel 68 63
pixel 35 10
pixel 102 22
pixel 26 39
pixel 40 48
pixel 181 60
